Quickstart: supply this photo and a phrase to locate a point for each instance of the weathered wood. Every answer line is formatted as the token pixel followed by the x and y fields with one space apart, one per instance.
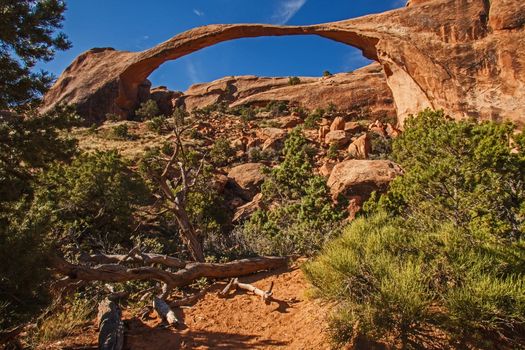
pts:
pixel 193 271
pixel 138 257
pixel 111 327
pixel 265 295
pixel 228 287
pixel 234 283
pixel 164 311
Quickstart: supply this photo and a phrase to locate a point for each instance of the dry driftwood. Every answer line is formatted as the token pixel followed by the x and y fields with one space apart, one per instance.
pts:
pixel 234 283
pixel 164 311
pixel 137 257
pixel 192 271
pixel 111 327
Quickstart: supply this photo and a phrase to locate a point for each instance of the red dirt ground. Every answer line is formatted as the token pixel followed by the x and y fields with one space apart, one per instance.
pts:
pixel 240 321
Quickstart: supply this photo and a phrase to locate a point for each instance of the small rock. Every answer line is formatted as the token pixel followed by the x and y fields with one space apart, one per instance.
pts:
pixel 338 124
pixel 360 148
pixel 338 137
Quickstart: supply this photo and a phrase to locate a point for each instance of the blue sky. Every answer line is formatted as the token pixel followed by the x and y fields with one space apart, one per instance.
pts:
pixel 136 25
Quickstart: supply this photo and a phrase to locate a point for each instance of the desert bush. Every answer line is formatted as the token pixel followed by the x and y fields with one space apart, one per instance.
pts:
pixel 147 110
pixel 78 312
pixel 464 172
pixel 112 117
pixel 380 146
pixel 158 124
pixel 121 132
pixel 91 201
pixel 333 151
pixel 301 211
pixel 256 154
pixel 277 108
pixel 294 81
pixel 327 73
pixel 29 144
pixel 246 113
pixel 314 118
pixel 221 152
pixel 442 250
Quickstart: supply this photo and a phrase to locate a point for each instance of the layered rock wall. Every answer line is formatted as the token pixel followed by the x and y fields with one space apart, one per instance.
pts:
pixel 465 56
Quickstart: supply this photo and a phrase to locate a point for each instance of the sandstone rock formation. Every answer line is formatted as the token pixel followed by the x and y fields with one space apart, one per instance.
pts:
pixel 353 178
pixel 338 138
pixel 360 148
pixel 249 177
pixel 466 56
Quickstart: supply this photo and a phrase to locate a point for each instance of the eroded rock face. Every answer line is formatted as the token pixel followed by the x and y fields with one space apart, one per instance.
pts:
pixel 465 56
pixel 249 177
pixel 363 91
pixel 361 177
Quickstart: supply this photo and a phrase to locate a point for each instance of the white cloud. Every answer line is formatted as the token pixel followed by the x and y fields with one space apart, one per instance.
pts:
pixel 286 10
pixel 198 12
pixel 141 42
pixel 193 73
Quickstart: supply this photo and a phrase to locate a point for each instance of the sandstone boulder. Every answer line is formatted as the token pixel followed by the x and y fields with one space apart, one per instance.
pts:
pixel 245 211
pixel 353 127
pixel 249 177
pixel 360 148
pixel 163 96
pixel 338 124
pixel 339 138
pixel 290 122
pixel 362 177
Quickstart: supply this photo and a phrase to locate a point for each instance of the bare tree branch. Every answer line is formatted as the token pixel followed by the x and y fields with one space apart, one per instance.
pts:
pixel 192 271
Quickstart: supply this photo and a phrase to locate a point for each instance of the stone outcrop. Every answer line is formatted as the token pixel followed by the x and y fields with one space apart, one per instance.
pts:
pixel 249 177
pixel 361 147
pixel 360 178
pixel 362 91
pixel 465 56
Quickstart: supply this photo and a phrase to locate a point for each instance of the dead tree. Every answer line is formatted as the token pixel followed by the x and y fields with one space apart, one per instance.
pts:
pixel 175 183
pixel 234 283
pixel 191 272
pixel 164 311
pixel 110 325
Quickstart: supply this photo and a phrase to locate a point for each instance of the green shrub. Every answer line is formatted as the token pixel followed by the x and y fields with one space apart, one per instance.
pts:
pixel 112 117
pixel 461 171
pixel 221 152
pixel 255 155
pixel 327 73
pixel 380 147
pixel 246 113
pixel 158 124
pixel 305 218
pixel 314 118
pixel 147 110
pixel 121 132
pixel 333 151
pixel 332 108
pixel 90 201
pixel 277 108
pixel 294 81
pixel 442 251
pixel 29 145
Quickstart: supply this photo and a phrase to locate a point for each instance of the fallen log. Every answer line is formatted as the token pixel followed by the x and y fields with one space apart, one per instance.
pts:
pixel 135 257
pixel 234 283
pixel 111 327
pixel 192 271
pixel 164 311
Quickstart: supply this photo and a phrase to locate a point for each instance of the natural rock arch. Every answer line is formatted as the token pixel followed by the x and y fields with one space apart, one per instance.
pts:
pixel 466 56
